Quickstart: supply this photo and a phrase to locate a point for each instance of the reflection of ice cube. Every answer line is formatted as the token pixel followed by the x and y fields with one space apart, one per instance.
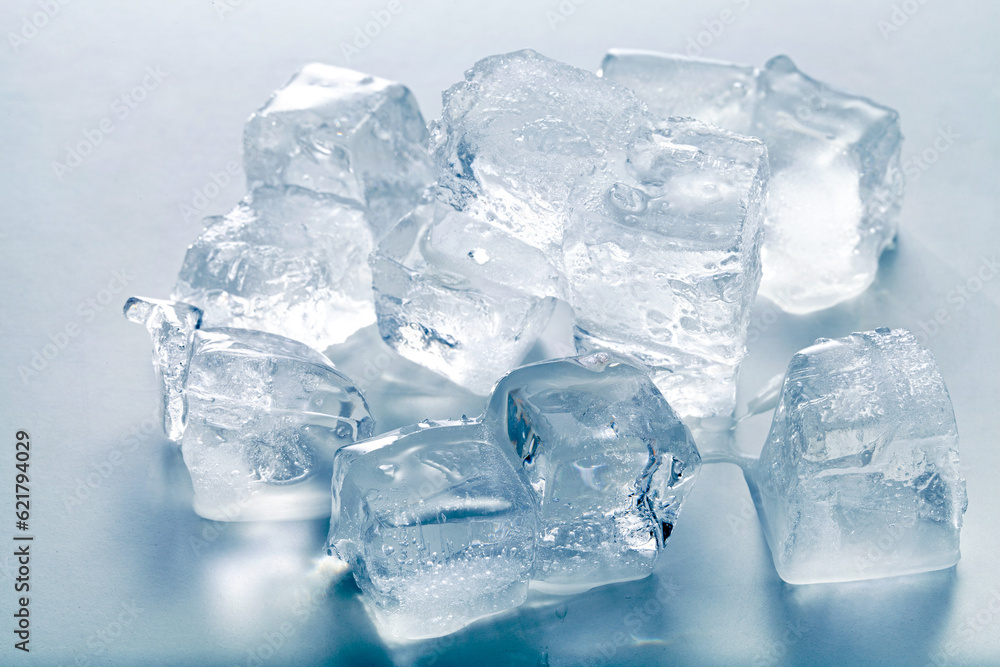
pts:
pixel 438 524
pixel 345 133
pixel 836 183
pixel 258 416
pixel 608 459
pixel 286 260
pixel 859 477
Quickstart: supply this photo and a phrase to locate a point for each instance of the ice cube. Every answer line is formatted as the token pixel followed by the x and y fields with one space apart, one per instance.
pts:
pixel 438 524
pixel 835 191
pixel 836 184
pixel 342 132
pixel 859 477
pixel 459 296
pixel 713 91
pixel 258 416
pixel 608 459
pixel 654 225
pixel 287 261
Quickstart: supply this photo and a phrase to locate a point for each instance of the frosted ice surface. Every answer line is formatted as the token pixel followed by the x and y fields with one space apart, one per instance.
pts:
pixel 859 477
pixel 652 227
pixel 258 416
pixel 836 184
pixel 438 524
pixel 287 261
pixel 342 132
pixel 460 296
pixel 609 460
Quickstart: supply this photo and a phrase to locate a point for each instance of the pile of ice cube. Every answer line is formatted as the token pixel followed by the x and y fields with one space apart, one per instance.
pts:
pixel 626 195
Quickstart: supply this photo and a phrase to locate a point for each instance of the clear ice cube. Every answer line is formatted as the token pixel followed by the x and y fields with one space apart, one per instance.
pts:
pixel 608 459
pixel 438 524
pixel 653 226
pixel 836 184
pixel 342 132
pixel 258 416
pixel 287 261
pixel 459 296
pixel 859 477
pixel 712 91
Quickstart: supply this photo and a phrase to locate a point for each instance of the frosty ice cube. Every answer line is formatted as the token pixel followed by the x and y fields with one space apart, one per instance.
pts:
pixel 835 190
pixel 438 524
pixel 460 296
pixel 859 477
pixel 608 459
pixel 655 225
pixel 836 183
pixel 258 416
pixel 287 261
pixel 342 132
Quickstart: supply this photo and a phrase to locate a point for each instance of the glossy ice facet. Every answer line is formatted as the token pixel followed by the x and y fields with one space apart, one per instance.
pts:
pixel 836 183
pixel 608 459
pixel 859 477
pixel 345 133
pixel 287 261
pixel 438 525
pixel 258 416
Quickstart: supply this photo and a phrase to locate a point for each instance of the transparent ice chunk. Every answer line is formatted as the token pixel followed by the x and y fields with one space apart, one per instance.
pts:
pixel 654 225
pixel 836 188
pixel 438 524
pixel 287 261
pixel 342 132
pixel 258 416
pixel 608 459
pixel 836 183
pixel 859 477
pixel 713 91
pixel 459 296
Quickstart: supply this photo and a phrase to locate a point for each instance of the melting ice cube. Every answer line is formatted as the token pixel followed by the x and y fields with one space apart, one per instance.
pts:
pixel 836 183
pixel 258 416
pixel 859 477
pixel 438 524
pixel 608 459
